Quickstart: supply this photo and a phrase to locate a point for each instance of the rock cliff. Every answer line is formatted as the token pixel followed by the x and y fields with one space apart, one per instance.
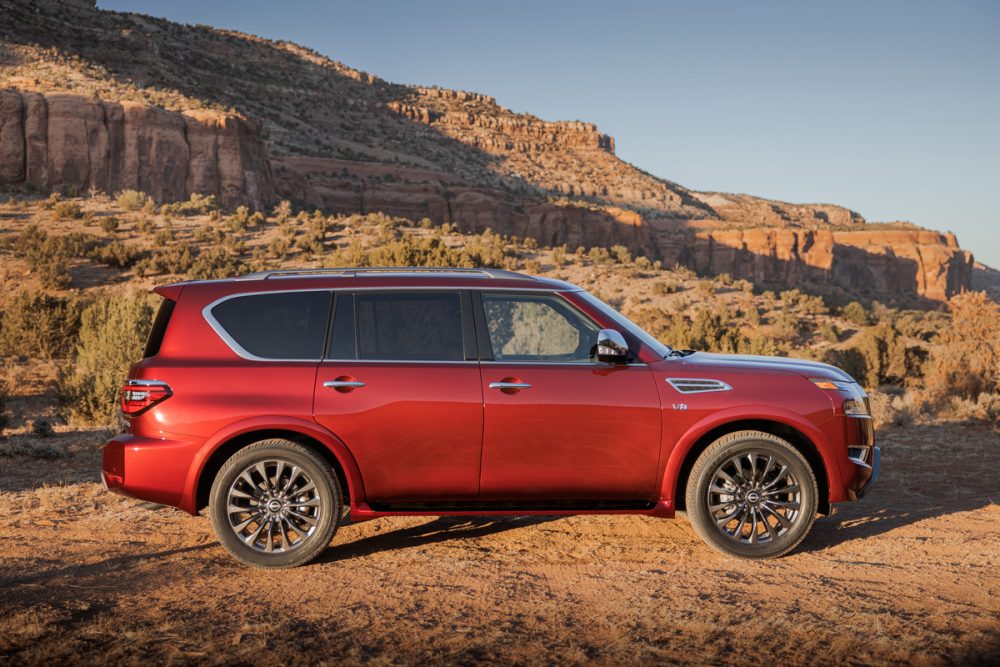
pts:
pixel 106 100
pixel 55 141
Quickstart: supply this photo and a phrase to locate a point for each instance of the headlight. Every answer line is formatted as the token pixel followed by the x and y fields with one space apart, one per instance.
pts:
pixel 853 408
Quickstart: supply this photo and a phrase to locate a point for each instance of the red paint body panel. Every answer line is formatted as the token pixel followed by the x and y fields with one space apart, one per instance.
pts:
pixel 580 431
pixel 415 429
pixel 436 431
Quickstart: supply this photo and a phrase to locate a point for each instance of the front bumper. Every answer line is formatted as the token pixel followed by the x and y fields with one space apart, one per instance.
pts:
pixel 869 467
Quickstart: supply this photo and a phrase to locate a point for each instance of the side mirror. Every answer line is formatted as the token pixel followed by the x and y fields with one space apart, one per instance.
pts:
pixel 611 346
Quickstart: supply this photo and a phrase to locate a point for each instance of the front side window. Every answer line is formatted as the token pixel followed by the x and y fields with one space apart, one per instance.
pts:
pixel 279 325
pixel 409 326
pixel 537 328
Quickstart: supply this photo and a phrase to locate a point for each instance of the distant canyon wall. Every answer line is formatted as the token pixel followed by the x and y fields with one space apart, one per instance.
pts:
pixel 55 141
pixel 51 141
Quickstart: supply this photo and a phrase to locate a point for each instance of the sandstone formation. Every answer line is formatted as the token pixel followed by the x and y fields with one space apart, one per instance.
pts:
pixel 165 109
pixel 872 263
pixel 54 141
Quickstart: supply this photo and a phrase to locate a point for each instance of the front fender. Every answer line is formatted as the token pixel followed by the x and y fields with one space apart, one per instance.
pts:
pixel 770 413
pixel 355 486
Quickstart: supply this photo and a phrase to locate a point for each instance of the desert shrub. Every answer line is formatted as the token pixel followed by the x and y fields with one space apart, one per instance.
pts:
pixel 599 255
pixel 113 332
pixel 47 256
pixel 214 262
pixel 109 224
pixel 559 255
pixel 116 254
pixel 985 407
pixel 829 332
pixel 966 361
pixel 67 210
pixel 664 287
pixel 744 285
pixel 197 204
pixel 885 354
pixel 132 200
pixel 39 326
pixel 888 409
pixel 621 254
pixel 42 428
pixel 705 288
pixel 855 313
pixel 849 359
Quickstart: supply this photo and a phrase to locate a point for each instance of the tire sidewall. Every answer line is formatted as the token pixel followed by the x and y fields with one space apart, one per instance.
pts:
pixel 701 517
pixel 319 472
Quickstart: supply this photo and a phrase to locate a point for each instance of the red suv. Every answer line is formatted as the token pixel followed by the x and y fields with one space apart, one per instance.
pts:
pixel 289 402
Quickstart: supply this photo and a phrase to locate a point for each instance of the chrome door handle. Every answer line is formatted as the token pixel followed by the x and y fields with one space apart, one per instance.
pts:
pixel 509 385
pixel 339 384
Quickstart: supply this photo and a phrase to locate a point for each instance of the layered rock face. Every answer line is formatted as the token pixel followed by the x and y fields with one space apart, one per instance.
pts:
pixel 876 263
pixel 53 141
pixel 347 141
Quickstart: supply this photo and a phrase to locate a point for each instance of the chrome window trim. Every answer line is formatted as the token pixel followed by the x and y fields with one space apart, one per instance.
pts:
pixel 578 364
pixel 396 361
pixel 708 385
pixel 240 351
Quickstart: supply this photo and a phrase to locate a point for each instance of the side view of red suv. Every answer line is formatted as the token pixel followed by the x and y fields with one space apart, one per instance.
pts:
pixel 289 402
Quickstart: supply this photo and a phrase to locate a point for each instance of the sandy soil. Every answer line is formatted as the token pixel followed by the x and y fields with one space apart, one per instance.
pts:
pixel 911 575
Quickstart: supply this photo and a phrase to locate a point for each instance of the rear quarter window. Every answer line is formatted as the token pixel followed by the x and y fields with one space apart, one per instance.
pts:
pixel 282 325
pixel 159 328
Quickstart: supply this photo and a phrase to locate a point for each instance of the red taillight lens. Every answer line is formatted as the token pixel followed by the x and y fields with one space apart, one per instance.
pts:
pixel 140 395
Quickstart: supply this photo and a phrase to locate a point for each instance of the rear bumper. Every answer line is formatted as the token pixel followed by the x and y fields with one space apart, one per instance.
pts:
pixel 150 469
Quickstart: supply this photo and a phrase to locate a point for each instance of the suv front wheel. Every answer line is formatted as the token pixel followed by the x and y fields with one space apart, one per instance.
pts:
pixel 752 495
pixel 275 504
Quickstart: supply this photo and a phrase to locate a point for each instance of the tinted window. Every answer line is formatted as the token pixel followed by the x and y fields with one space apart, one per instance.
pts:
pixel 288 325
pixel 155 339
pixel 409 326
pixel 537 328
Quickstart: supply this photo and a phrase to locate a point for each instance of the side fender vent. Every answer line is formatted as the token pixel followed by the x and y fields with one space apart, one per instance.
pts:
pixel 698 385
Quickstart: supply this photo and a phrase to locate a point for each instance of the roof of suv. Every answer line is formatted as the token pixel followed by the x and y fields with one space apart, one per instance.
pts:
pixel 385 277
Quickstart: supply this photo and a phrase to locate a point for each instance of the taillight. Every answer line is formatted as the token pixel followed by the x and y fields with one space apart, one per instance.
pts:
pixel 140 395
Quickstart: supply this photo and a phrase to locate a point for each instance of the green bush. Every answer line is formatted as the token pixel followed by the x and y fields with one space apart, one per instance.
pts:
pixel 39 326
pixel 67 210
pixel 113 331
pixel 132 200
pixel 855 313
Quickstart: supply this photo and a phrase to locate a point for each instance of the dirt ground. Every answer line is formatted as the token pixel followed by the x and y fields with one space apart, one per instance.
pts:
pixel 911 575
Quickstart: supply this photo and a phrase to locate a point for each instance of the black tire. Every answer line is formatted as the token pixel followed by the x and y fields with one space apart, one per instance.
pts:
pixel 729 463
pixel 294 477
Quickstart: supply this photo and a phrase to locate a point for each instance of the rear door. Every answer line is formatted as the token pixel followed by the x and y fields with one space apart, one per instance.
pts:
pixel 400 386
pixel 559 424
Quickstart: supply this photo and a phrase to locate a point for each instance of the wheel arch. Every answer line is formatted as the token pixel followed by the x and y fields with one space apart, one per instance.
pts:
pixel 223 445
pixel 682 463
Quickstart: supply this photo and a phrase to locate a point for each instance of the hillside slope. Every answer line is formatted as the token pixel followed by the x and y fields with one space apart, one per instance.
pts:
pixel 100 100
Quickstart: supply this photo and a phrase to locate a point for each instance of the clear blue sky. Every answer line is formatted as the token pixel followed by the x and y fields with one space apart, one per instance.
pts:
pixel 889 108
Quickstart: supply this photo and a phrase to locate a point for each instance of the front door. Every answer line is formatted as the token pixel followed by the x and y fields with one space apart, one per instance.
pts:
pixel 400 387
pixel 558 424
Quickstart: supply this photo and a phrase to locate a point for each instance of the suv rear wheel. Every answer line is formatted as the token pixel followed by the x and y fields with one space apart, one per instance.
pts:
pixel 275 504
pixel 752 495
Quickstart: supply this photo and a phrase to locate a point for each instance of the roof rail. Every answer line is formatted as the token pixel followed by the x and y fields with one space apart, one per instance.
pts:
pixel 369 270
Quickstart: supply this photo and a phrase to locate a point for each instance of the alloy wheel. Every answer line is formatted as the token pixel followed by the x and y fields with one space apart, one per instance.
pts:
pixel 273 506
pixel 754 498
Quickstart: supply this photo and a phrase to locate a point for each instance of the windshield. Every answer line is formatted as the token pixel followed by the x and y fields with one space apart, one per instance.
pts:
pixel 627 324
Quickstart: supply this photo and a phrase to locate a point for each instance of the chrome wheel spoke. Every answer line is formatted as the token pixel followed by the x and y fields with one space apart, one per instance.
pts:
pixel 754 498
pixel 265 506
pixel 782 519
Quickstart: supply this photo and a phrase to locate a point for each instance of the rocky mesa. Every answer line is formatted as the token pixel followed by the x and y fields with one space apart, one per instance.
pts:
pixel 102 100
